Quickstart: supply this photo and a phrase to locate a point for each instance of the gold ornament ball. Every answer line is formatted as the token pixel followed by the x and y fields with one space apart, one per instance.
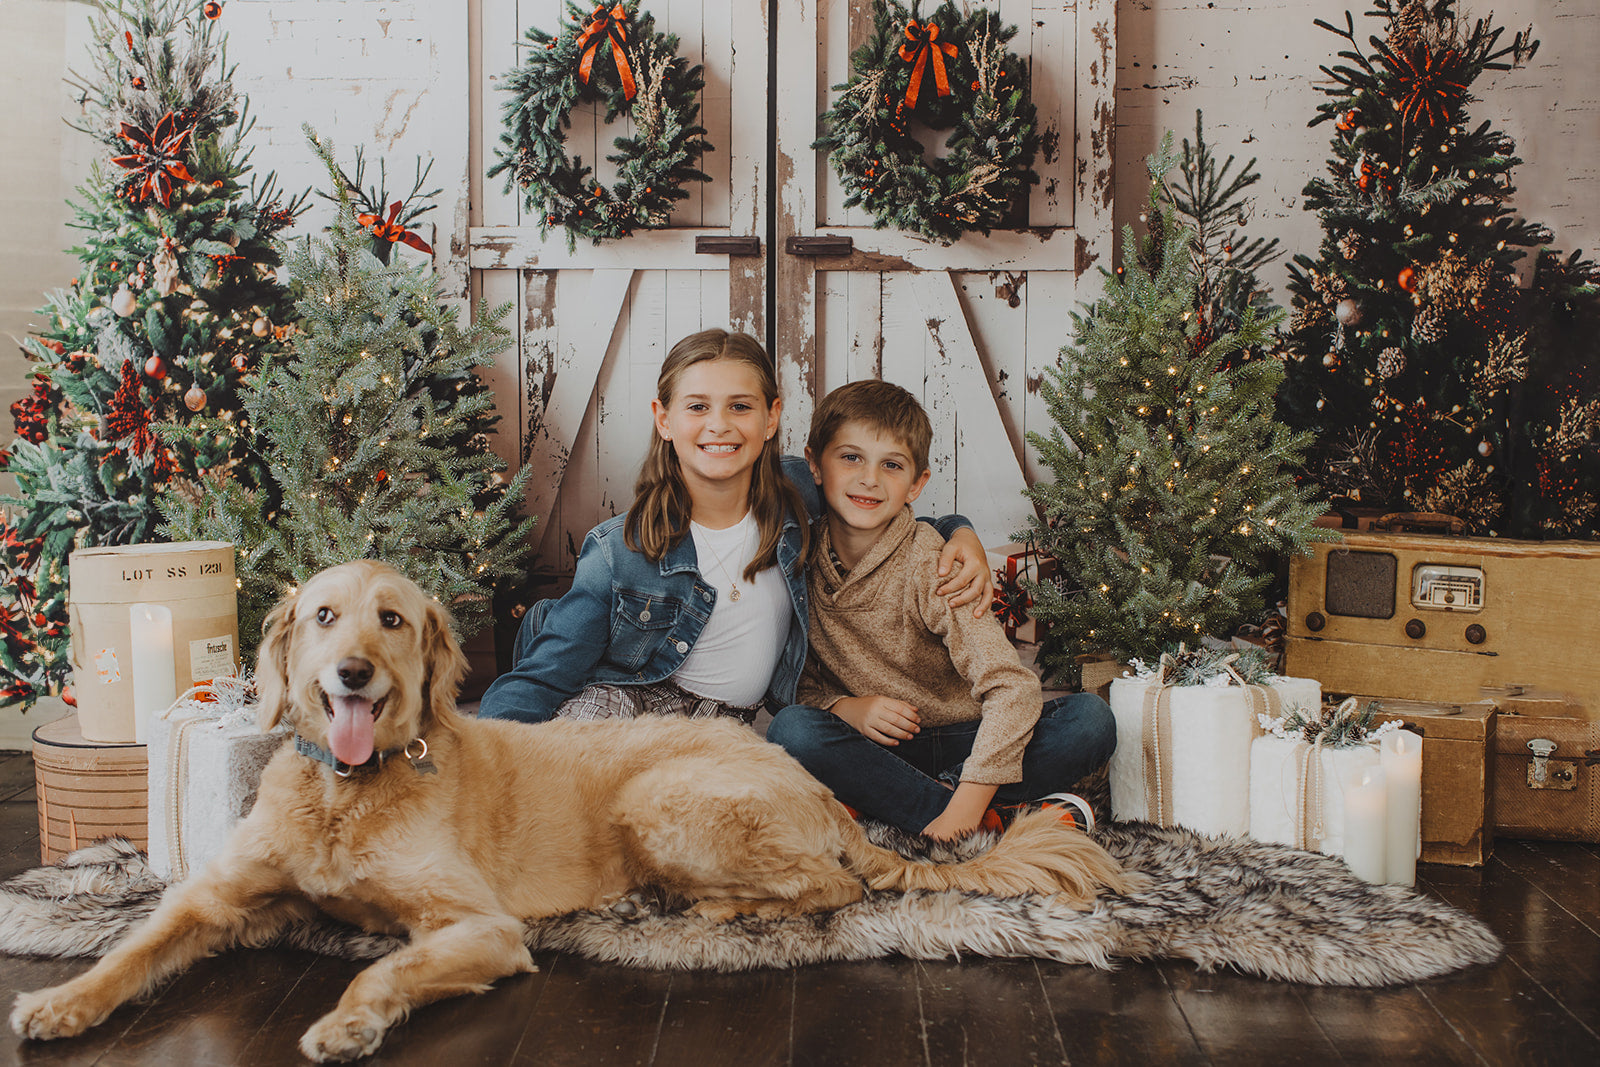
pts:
pixel 240 363
pixel 1348 312
pixel 122 302
pixel 1484 448
pixel 195 398
pixel 260 327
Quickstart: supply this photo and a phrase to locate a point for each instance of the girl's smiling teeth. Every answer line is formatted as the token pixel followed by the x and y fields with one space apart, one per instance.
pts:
pixel 720 449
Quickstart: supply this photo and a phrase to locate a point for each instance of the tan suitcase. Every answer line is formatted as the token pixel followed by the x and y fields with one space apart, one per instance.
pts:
pixel 1546 770
pixel 1458 742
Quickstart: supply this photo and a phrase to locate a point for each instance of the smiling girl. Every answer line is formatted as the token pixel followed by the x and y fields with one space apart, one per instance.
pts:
pixel 694 601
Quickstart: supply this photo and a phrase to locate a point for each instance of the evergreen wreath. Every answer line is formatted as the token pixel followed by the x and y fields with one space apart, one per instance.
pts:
pixel 611 54
pixel 950 70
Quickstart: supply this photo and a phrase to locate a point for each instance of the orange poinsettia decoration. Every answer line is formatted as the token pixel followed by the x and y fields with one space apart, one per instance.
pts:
pixel 1432 84
pixel 155 158
pixel 392 230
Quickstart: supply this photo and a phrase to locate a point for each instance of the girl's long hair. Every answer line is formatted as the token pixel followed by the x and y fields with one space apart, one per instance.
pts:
pixel 659 517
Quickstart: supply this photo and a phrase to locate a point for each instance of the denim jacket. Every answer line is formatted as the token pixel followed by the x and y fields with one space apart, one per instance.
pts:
pixel 628 621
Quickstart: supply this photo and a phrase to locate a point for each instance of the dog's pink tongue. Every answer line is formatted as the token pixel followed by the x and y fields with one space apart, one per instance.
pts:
pixel 350 733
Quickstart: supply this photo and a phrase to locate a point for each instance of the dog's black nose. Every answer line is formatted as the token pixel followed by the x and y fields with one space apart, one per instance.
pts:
pixel 355 672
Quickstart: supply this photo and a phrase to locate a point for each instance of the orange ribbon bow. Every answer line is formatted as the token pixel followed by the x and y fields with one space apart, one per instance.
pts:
pixel 925 42
pixel 613 26
pixel 391 230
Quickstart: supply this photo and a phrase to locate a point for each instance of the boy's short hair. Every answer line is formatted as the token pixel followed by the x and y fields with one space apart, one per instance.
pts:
pixel 885 407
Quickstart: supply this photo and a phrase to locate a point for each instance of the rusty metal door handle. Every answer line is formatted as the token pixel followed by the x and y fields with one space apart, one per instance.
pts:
pixel 819 246
pixel 710 245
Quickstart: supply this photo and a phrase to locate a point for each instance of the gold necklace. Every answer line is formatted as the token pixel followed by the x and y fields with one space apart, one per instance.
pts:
pixel 733 586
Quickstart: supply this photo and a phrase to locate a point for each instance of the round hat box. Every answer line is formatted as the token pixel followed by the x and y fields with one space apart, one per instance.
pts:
pixel 87 790
pixel 193 580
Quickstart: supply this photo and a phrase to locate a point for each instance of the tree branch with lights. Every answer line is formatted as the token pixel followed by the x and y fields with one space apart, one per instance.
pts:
pixel 1173 492
pixel 377 429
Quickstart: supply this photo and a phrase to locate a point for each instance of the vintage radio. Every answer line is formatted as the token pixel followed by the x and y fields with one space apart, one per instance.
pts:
pixel 1440 618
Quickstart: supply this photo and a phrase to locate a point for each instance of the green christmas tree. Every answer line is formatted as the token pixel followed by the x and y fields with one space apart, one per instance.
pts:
pixel 1432 381
pixel 1209 200
pixel 175 307
pixel 362 419
pixel 1173 495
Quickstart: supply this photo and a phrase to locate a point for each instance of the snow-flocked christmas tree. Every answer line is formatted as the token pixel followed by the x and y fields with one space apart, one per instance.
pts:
pixel 175 307
pixel 1173 495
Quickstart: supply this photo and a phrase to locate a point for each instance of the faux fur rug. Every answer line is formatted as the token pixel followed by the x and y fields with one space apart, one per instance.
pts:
pixel 1219 902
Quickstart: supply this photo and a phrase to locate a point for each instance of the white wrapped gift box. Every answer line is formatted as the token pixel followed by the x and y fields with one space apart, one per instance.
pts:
pixel 1297 791
pixel 206 760
pixel 1183 752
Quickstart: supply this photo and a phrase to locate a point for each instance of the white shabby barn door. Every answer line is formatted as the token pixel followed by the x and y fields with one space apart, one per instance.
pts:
pixel 968 327
pixel 594 324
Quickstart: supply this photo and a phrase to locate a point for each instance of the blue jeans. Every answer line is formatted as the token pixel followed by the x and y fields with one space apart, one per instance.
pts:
pixel 904 784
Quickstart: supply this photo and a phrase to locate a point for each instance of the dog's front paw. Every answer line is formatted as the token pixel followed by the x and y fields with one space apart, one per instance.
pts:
pixel 343 1034
pixel 52 1013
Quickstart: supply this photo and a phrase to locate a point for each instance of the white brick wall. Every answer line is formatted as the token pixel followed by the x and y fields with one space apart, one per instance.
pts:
pixel 1251 65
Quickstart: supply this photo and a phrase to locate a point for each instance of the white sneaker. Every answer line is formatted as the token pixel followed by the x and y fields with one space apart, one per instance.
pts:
pixel 1079 808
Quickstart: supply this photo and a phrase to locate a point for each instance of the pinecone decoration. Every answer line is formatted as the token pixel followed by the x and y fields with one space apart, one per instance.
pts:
pixel 1408 25
pixel 1428 326
pixel 1350 245
pixel 1331 287
pixel 1309 317
pixel 1391 363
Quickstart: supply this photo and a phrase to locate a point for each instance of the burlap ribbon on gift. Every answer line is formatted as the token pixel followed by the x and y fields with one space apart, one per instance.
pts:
pixel 1158 735
pixel 1309 788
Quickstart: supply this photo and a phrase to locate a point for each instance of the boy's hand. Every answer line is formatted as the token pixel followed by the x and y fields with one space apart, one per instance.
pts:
pixel 882 719
pixel 969 581
pixel 964 812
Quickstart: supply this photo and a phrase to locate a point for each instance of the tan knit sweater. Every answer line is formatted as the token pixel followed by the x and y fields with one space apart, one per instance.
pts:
pixel 881 630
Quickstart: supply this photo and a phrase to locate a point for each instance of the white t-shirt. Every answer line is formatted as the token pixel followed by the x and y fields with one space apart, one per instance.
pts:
pixel 738 650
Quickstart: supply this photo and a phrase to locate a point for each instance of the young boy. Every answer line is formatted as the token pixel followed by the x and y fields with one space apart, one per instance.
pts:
pixel 912 713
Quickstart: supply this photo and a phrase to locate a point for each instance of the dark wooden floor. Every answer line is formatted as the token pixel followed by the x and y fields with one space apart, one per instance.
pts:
pixel 1540 1005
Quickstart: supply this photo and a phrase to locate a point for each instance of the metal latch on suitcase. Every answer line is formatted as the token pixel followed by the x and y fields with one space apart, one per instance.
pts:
pixel 1546 773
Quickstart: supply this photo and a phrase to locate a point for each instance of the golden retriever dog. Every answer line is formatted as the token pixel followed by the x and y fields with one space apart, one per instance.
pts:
pixel 395 812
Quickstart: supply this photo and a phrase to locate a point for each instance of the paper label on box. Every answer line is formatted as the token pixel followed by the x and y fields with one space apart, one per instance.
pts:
pixel 105 667
pixel 210 657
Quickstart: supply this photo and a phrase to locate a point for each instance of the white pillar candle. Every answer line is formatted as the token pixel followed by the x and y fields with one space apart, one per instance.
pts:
pixel 1365 838
pixel 155 685
pixel 1401 753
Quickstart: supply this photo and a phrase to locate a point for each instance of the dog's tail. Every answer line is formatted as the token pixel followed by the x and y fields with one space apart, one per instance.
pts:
pixel 1038 854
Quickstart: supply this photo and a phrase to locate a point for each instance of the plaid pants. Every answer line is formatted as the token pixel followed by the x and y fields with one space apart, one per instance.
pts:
pixel 663 698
